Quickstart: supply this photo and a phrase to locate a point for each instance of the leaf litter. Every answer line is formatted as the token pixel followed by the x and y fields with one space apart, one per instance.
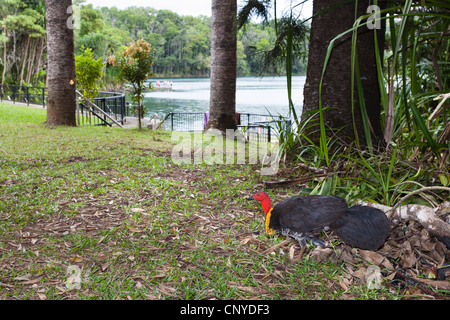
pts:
pixel 411 259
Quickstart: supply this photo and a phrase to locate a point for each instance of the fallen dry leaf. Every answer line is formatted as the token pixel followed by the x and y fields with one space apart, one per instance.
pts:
pixel 376 258
pixel 345 284
pixel 42 296
pixel 408 259
pixel 321 254
pixel 151 297
pixel 166 290
pixel 373 277
pixel 249 239
pixel 34 281
pixel 104 266
pixel 23 278
pixel 134 229
pixel 76 259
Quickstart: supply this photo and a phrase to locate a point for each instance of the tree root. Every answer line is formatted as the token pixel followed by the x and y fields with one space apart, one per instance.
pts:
pixel 426 216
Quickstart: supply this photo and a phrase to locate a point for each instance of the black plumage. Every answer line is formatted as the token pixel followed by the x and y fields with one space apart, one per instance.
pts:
pixel 363 227
pixel 302 217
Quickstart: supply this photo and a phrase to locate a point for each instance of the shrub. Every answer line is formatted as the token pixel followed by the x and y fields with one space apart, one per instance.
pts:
pixel 134 66
pixel 89 71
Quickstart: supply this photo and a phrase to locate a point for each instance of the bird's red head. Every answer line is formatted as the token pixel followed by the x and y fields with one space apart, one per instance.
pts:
pixel 264 199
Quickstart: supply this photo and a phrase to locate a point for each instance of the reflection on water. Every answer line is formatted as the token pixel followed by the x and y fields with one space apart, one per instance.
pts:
pixel 253 95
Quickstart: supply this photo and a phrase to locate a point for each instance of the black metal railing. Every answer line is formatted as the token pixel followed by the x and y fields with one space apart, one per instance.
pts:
pixel 23 94
pixel 112 103
pixel 184 121
pixel 252 118
pixel 257 132
pixel 253 126
pixel 196 121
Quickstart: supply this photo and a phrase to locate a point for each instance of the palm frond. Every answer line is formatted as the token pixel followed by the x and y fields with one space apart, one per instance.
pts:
pixel 260 8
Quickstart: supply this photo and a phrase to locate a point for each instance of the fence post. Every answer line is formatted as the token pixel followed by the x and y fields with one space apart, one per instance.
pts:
pixel 28 96
pixel 43 97
pixel 268 134
pixel 104 107
pixel 122 102
pixel 171 121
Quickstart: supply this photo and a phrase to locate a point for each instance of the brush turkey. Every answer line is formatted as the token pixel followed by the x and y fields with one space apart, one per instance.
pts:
pixel 302 217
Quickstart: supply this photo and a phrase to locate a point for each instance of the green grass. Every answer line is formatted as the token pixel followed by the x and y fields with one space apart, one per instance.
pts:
pixel 15 114
pixel 111 202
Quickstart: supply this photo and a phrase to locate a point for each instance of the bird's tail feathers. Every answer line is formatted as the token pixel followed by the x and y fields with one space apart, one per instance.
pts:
pixel 363 227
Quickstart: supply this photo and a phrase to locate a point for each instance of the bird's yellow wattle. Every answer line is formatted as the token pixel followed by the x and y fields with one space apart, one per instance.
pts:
pixel 269 230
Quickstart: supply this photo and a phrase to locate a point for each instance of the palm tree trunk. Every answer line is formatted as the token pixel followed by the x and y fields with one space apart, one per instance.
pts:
pixel 336 88
pixel 222 108
pixel 61 65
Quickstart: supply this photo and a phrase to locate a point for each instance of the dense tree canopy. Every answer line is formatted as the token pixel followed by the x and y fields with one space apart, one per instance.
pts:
pixel 181 44
pixel 22 40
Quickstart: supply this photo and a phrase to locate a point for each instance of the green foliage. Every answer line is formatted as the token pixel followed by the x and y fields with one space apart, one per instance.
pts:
pixel 410 77
pixel 266 44
pixel 91 20
pixel 180 44
pixel 295 145
pixel 22 31
pixel 413 79
pixel 89 71
pixel 135 63
pixel 419 65
pixel 28 21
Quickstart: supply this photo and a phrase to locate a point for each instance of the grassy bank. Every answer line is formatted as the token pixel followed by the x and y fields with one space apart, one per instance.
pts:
pixel 103 213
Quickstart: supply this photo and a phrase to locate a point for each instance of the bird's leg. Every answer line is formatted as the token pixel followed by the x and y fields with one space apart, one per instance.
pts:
pixel 316 241
pixel 302 243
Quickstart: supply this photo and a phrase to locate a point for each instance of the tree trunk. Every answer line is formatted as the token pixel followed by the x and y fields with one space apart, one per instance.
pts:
pixel 4 58
pixel 42 47
pixel 139 92
pixel 336 85
pixel 61 64
pixel 24 62
pixel 222 108
pixel 31 60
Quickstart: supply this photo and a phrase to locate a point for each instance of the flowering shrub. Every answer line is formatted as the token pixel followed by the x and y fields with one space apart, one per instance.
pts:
pixel 134 64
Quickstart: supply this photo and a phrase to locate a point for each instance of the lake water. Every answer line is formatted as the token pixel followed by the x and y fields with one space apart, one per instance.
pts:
pixel 253 95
